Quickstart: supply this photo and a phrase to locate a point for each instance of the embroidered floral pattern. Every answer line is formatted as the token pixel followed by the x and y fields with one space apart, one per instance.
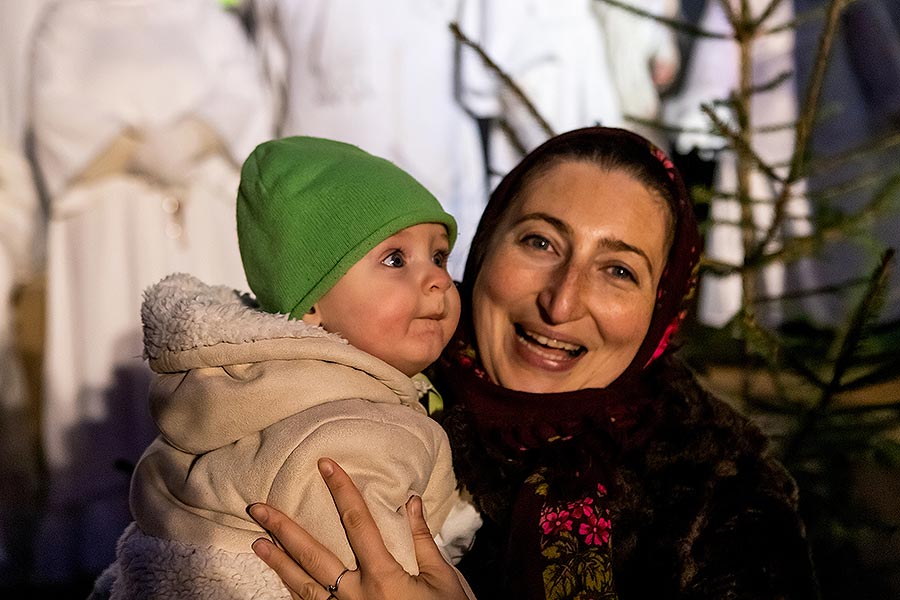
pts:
pixel 468 358
pixel 575 542
pixel 595 530
pixel 554 522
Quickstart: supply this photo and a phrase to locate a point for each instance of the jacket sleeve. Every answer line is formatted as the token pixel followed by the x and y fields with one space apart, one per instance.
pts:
pixel 391 452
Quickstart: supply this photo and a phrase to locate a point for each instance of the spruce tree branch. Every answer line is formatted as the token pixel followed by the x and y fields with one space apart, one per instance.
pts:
pixel 775 351
pixel 847 344
pixel 506 79
pixel 814 91
pixel 676 24
pixel 729 13
pixel 805 293
pixel 885 372
pixel 805 121
pixel 512 137
pixel 858 153
pixel 861 181
pixel 766 13
pixel 772 83
pixel 738 141
pixel 717 267
pixel 864 313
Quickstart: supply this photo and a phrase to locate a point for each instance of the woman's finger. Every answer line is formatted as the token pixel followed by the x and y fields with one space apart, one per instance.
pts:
pixel 434 569
pixel 362 531
pixel 428 555
pixel 303 561
pixel 298 581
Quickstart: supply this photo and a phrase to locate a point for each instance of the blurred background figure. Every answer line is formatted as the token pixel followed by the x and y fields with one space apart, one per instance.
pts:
pixel 713 74
pixel 555 52
pixel 379 75
pixel 20 228
pixel 860 104
pixel 579 63
pixel 143 110
pixel 644 58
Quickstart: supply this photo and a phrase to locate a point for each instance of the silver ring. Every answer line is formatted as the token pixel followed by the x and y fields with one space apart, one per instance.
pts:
pixel 332 589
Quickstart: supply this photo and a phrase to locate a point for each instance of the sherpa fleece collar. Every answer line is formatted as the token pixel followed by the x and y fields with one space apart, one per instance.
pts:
pixel 227 369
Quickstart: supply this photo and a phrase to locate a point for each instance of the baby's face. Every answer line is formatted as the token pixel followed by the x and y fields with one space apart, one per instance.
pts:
pixel 398 302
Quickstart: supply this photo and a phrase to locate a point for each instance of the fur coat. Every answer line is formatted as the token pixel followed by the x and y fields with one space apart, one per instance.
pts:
pixel 699 507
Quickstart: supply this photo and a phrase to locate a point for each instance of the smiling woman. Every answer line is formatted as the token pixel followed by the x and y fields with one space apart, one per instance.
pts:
pixel 566 293
pixel 601 467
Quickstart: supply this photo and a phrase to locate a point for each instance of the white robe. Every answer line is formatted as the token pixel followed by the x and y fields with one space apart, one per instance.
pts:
pixel 712 74
pixel 19 211
pixel 636 46
pixel 380 75
pixel 20 226
pixel 176 84
pixel 555 52
pixel 18 21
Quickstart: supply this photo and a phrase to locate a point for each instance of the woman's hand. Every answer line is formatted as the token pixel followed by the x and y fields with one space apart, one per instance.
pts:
pixel 310 570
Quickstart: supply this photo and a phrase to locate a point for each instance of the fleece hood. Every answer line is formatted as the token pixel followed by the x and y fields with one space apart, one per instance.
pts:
pixel 227 369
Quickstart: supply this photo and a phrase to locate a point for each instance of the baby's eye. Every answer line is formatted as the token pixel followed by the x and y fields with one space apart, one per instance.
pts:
pixel 395 260
pixel 440 258
pixel 537 242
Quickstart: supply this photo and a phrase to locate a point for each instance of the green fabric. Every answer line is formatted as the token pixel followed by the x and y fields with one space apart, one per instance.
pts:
pixel 309 208
pixel 432 399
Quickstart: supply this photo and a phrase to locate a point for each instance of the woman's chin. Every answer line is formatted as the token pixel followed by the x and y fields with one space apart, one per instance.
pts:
pixel 533 384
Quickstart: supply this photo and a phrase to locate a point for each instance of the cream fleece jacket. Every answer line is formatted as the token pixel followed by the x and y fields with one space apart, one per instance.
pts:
pixel 246 402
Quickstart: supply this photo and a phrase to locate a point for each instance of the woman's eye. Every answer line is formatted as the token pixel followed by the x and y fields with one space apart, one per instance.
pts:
pixel 395 260
pixel 537 242
pixel 622 273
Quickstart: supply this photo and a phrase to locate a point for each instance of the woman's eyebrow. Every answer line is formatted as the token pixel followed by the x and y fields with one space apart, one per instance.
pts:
pixel 558 224
pixel 617 245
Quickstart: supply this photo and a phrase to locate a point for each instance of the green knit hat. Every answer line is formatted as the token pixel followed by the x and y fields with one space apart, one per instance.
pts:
pixel 308 209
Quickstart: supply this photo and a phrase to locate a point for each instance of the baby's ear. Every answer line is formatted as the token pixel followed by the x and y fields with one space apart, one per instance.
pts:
pixel 313 316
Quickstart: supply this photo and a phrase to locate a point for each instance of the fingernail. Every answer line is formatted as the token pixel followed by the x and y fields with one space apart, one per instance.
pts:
pixel 415 506
pixel 258 512
pixel 262 547
pixel 325 467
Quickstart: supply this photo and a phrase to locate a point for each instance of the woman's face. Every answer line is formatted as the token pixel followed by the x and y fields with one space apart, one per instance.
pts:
pixel 566 292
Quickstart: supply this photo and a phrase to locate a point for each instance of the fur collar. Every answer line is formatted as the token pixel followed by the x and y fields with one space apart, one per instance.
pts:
pixel 182 313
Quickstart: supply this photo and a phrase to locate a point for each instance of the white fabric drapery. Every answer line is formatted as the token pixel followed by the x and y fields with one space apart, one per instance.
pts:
pixel 143 110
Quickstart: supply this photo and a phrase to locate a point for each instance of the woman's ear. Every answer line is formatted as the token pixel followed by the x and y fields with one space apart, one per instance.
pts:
pixel 313 316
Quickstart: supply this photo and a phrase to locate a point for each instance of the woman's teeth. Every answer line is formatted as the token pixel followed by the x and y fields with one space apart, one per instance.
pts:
pixel 572 349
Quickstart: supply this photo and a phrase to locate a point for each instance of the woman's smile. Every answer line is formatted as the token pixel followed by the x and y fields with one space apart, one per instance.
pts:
pixel 535 346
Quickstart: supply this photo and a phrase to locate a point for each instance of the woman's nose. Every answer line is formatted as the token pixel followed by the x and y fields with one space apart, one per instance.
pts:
pixel 562 299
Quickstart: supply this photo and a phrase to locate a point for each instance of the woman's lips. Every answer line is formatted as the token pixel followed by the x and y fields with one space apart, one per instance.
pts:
pixel 546 352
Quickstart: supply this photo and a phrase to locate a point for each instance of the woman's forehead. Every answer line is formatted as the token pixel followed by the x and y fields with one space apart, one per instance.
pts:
pixel 551 184
pixel 579 183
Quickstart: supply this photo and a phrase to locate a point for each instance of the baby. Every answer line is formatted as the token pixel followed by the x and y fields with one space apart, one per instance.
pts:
pixel 346 255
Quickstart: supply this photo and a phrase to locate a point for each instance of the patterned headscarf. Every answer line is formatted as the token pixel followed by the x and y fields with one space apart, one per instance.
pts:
pixel 615 148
